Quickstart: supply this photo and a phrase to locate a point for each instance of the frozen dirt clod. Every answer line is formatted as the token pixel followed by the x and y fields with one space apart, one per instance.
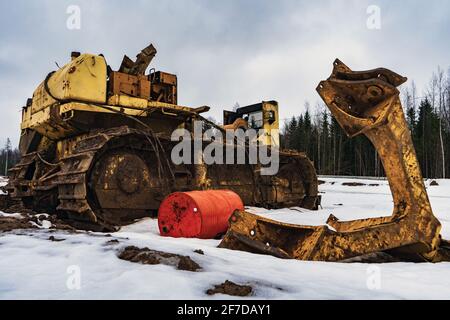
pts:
pixel 149 256
pixel 199 251
pixel 13 223
pixel 54 239
pixel 231 288
pixel 434 183
pixel 19 217
pixel 186 263
pixel 112 242
pixel 31 221
pixel 353 184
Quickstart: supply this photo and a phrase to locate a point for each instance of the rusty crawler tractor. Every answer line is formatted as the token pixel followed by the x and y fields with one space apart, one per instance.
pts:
pixel 363 103
pixel 96 147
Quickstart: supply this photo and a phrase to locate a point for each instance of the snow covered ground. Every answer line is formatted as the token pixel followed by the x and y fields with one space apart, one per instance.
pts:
pixel 31 266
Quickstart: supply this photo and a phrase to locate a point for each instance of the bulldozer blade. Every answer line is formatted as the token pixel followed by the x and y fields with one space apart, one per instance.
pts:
pixel 364 102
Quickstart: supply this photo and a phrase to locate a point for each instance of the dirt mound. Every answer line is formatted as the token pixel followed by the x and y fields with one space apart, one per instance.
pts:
pixel 24 218
pixel 148 256
pixel 54 239
pixel 31 221
pixel 359 184
pixel 13 223
pixel 112 242
pixel 231 289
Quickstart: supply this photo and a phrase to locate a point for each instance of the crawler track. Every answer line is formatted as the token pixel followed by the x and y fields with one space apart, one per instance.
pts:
pixel 111 177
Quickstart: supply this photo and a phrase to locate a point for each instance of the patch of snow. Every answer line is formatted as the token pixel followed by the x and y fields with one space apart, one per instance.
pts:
pixel 3 182
pixel 42 224
pixel 34 267
pixel 11 215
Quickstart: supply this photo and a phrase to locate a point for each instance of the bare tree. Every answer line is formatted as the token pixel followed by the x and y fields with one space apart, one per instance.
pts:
pixel 440 88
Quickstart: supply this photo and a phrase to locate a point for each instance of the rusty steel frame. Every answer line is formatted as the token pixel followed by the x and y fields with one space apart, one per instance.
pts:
pixel 366 103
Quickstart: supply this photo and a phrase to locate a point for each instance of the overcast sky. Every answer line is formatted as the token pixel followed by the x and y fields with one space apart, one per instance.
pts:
pixel 223 52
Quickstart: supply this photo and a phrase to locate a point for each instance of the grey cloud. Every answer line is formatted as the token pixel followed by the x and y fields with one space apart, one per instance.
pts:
pixel 222 51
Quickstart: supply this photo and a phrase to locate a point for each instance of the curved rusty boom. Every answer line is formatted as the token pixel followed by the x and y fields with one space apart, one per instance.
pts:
pixel 366 103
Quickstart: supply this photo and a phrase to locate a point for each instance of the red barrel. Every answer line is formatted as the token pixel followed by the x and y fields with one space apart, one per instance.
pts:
pixel 197 214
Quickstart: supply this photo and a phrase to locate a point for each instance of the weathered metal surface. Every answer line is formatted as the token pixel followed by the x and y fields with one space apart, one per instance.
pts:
pixel 123 83
pixel 139 66
pixel 163 87
pixel 363 103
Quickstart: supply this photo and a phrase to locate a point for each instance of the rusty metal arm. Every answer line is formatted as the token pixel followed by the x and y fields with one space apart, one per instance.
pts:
pixel 371 106
pixel 366 103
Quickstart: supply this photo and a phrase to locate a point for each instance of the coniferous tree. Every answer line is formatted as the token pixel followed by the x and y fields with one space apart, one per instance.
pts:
pixel 9 157
pixel 333 153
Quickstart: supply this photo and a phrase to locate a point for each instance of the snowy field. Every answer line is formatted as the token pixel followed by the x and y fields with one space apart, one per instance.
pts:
pixel 33 267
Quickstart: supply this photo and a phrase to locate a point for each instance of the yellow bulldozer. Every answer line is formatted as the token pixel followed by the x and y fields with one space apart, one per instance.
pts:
pixel 96 147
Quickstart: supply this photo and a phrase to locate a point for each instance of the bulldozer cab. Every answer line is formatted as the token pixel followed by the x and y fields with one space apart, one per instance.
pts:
pixel 260 116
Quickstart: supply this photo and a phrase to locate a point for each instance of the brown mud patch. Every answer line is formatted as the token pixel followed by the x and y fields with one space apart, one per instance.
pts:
pixel 54 239
pixel 31 221
pixel 359 184
pixel 353 184
pixel 149 256
pixel 231 288
pixel 13 223
pixel 25 218
pixel 112 242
